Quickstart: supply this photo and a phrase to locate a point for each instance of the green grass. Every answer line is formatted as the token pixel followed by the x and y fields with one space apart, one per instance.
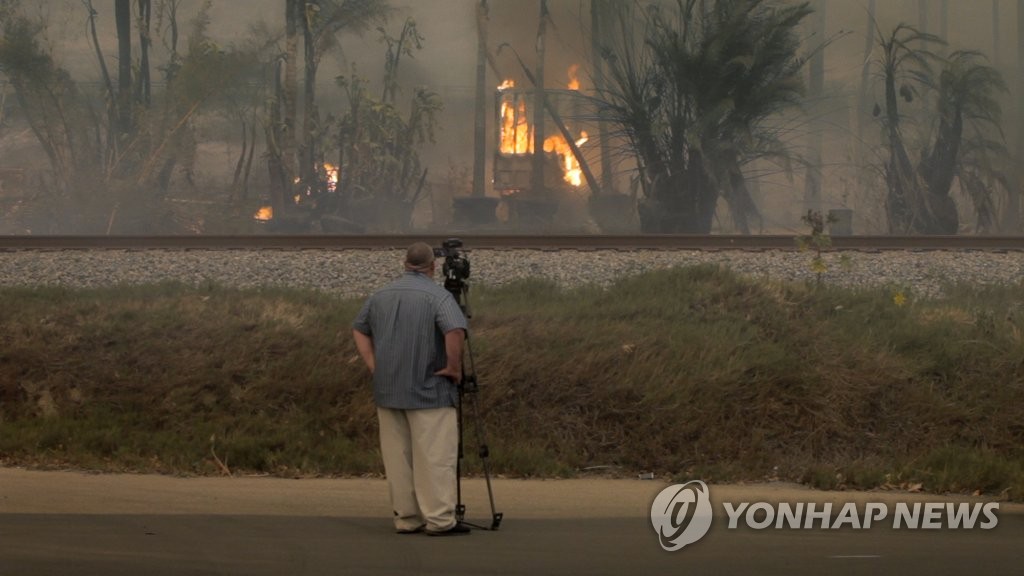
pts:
pixel 690 372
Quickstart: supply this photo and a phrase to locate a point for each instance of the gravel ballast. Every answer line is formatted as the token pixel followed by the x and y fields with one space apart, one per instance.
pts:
pixel 353 273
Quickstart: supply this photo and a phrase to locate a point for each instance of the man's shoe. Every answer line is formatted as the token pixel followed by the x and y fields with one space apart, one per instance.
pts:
pixel 457 529
pixel 415 530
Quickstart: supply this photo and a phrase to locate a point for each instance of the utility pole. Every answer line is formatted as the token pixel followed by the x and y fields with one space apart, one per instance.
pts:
pixel 537 176
pixel 480 123
pixel 598 15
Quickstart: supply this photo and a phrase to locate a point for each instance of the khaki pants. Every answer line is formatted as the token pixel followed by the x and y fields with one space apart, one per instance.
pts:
pixel 420 453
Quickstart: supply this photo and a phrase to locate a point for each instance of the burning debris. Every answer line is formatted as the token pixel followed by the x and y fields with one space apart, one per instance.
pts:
pixel 264 214
pixel 328 183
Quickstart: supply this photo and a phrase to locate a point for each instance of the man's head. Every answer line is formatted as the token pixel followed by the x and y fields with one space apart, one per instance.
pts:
pixel 420 258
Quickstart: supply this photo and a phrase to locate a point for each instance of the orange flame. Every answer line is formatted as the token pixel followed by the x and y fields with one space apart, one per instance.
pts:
pixel 516 132
pixel 264 214
pixel 332 172
pixel 572 172
pixel 574 81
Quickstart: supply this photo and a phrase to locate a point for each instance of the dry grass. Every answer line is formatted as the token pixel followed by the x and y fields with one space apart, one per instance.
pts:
pixel 693 372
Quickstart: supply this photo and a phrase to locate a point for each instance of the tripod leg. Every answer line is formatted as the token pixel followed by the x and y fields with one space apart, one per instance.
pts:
pixel 460 508
pixel 485 460
pixel 468 388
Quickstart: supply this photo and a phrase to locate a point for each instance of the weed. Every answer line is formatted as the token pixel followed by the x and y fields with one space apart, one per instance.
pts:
pixel 679 372
pixel 818 241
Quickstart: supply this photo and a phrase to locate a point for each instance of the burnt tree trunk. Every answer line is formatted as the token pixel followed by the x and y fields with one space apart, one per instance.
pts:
pixel 816 90
pixel 289 95
pixel 900 172
pixel 123 18
pixel 143 85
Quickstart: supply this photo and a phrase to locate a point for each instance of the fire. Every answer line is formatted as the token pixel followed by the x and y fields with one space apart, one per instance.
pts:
pixel 517 132
pixel 332 176
pixel 264 214
pixel 574 81
pixel 330 172
pixel 573 173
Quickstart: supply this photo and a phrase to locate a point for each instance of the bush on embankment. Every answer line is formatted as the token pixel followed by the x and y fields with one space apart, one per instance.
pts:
pixel 692 372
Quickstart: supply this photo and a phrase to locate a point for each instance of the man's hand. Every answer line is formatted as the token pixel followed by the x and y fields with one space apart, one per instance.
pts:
pixel 453 374
pixel 453 341
pixel 364 344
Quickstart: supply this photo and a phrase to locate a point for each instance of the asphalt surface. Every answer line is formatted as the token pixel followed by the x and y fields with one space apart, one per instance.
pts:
pixel 65 523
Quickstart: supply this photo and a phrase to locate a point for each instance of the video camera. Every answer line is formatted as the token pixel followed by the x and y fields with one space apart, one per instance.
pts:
pixel 455 269
pixel 456 264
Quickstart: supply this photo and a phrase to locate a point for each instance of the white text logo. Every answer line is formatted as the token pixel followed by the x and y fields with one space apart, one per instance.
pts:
pixel 917 516
pixel 681 514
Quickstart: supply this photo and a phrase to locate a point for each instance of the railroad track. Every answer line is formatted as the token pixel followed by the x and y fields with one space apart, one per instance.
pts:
pixel 509 241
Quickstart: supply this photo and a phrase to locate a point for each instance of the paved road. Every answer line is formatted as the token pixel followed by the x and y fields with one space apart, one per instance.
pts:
pixel 75 524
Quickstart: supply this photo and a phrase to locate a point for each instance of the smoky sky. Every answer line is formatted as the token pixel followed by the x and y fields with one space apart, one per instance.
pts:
pixel 447 61
pixel 448 57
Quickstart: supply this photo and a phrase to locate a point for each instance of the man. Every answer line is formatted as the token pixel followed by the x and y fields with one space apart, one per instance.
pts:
pixel 410 334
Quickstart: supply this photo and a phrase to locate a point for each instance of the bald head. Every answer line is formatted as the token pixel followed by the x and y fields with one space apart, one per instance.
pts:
pixel 420 258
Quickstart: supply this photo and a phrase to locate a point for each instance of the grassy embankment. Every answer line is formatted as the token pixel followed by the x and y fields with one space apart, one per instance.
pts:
pixel 695 373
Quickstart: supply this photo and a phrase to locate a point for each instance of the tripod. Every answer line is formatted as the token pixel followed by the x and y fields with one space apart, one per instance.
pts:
pixel 468 389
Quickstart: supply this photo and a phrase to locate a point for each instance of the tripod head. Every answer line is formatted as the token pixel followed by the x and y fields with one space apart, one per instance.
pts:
pixel 456 271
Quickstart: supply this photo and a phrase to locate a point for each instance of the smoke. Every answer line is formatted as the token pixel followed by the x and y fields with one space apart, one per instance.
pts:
pixel 447 62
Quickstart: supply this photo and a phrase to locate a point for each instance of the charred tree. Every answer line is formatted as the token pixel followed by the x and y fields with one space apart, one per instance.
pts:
pixel 144 84
pixel 289 95
pixel 123 19
pixel 280 181
pixel 599 16
pixel 308 156
pixel 815 93
pixel 111 95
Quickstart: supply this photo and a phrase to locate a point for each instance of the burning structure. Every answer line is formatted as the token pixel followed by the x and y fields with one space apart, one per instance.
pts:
pixel 563 165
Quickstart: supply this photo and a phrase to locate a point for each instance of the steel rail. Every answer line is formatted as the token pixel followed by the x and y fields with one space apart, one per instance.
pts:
pixel 508 241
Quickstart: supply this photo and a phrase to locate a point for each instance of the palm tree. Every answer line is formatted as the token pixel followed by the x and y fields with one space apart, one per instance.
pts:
pixel 691 89
pixel 964 105
pixel 901 62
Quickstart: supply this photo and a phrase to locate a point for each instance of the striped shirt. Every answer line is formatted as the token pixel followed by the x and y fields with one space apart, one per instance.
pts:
pixel 407 321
